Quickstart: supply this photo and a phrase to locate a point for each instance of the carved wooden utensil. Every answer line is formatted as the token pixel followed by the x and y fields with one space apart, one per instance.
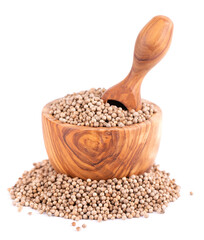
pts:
pixel 151 45
pixel 102 153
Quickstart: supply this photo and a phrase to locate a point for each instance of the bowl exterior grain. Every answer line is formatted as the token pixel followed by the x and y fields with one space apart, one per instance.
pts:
pixel 101 153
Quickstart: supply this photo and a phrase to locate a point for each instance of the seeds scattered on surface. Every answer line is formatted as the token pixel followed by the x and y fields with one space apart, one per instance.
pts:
pixel 73 224
pixel 191 193
pixel 84 225
pixel 78 229
pixel 87 108
pixel 73 198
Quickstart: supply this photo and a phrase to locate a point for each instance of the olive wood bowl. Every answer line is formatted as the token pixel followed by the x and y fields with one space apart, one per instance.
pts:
pixel 101 152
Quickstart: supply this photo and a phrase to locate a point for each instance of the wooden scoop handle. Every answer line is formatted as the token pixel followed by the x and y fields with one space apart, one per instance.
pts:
pixel 151 45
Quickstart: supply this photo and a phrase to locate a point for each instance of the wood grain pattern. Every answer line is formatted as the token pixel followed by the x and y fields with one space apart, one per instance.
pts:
pixel 151 45
pixel 101 153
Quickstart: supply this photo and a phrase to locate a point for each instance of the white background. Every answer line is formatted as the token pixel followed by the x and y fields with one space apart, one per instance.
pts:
pixel 51 48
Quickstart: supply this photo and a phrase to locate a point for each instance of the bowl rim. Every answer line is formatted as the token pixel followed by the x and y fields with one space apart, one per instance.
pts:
pixel 46 114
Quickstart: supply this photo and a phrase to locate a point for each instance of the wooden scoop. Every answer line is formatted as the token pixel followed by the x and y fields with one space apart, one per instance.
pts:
pixel 151 45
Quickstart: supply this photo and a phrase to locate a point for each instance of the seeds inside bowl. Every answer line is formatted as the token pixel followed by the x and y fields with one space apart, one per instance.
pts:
pixel 87 108
pixel 73 198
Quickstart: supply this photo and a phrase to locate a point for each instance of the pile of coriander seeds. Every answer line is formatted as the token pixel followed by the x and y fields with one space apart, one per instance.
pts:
pixel 73 198
pixel 87 108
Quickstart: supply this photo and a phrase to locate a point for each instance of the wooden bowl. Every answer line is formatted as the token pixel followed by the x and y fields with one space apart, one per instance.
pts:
pixel 101 153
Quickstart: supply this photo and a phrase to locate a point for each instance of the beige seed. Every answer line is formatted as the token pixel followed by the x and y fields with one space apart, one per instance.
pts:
pixel 120 124
pixel 100 219
pixel 84 225
pixel 78 229
pixel 191 193
pixel 146 215
pixel 20 208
